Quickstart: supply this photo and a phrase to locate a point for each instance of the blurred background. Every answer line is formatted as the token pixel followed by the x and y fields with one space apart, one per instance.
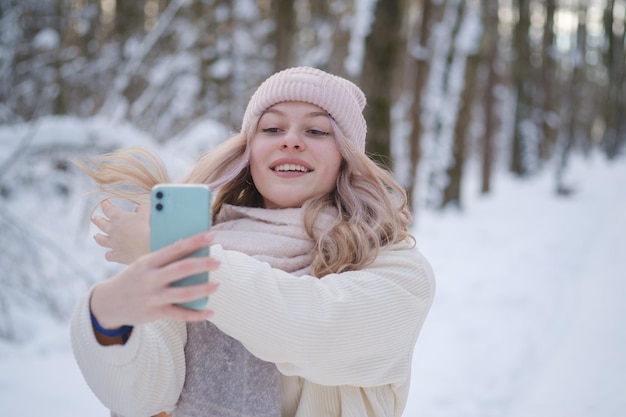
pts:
pixel 467 101
pixel 525 83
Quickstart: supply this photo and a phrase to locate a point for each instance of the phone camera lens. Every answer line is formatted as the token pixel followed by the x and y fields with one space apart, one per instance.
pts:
pixel 159 194
pixel 159 207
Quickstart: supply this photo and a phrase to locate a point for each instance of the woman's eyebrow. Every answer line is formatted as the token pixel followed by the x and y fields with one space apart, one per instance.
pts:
pixel 318 114
pixel 312 114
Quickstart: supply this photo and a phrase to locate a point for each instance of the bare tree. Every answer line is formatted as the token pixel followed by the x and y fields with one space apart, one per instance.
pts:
pixel 573 126
pixel 525 130
pixel 431 14
pixel 467 57
pixel 129 18
pixel 549 84
pixel 490 57
pixel 284 17
pixel 324 36
pixel 340 39
pixel 615 131
pixel 382 51
pixel 440 102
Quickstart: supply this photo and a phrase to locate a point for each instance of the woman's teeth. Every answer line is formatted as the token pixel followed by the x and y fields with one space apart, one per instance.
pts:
pixel 291 167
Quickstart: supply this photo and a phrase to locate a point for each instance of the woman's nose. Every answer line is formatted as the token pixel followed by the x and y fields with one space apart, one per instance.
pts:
pixel 292 140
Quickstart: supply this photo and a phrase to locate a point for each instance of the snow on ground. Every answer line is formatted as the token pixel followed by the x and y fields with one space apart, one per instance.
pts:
pixel 527 320
pixel 528 316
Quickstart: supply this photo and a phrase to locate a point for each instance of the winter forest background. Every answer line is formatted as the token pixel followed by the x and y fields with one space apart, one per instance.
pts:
pixel 460 93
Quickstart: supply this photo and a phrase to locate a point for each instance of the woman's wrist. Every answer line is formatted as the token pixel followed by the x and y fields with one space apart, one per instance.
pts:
pixel 121 332
pixel 107 332
pixel 101 306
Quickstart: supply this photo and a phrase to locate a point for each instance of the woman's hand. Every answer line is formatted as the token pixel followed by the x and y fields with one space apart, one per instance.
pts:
pixel 126 233
pixel 142 293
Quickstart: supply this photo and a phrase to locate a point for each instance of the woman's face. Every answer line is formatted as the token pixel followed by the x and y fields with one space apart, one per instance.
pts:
pixel 293 154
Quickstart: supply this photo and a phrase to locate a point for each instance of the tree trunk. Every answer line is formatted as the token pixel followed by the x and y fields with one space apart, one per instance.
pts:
pixel 615 102
pixel 468 53
pixel 574 130
pixel 60 104
pixel 129 19
pixel 522 75
pixel 284 16
pixel 381 58
pixel 432 12
pixel 340 43
pixel 441 95
pixel 549 85
pixel 490 52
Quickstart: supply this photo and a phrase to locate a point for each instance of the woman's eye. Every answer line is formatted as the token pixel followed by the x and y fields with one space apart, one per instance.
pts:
pixel 316 132
pixel 270 130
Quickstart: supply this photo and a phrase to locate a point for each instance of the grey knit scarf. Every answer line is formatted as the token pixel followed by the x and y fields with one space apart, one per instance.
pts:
pixel 222 378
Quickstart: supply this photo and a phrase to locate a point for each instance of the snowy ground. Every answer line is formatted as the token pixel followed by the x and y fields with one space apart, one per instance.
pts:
pixel 528 319
pixel 529 315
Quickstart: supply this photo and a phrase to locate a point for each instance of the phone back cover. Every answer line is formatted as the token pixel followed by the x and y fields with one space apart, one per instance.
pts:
pixel 185 211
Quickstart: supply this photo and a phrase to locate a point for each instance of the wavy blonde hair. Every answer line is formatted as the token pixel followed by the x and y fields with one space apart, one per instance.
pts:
pixel 372 210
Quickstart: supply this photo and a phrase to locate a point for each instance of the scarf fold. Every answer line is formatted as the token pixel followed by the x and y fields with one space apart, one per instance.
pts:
pixel 273 236
pixel 222 378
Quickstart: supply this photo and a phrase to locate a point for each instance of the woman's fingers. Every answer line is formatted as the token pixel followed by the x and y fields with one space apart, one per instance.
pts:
pixel 109 209
pixel 113 256
pixel 110 212
pixel 102 224
pixel 178 250
pixel 184 268
pixel 177 295
pixel 173 312
pixel 103 240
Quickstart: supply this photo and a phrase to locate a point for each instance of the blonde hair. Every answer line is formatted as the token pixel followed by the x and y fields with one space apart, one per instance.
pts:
pixel 372 210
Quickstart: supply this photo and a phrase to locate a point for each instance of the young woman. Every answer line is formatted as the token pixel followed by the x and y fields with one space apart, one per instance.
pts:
pixel 322 292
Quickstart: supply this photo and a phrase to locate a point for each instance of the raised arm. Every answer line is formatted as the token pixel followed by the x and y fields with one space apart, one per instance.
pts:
pixel 142 377
pixel 146 374
pixel 354 328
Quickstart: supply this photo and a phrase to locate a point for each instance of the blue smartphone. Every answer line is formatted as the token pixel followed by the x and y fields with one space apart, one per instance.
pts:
pixel 178 211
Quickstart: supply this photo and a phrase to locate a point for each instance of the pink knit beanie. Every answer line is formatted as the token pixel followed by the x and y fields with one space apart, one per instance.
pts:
pixel 342 99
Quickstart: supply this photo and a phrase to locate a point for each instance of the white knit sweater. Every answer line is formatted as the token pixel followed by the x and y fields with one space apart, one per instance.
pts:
pixel 343 343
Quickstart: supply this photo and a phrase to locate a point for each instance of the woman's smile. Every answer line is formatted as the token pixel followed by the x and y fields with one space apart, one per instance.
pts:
pixel 290 166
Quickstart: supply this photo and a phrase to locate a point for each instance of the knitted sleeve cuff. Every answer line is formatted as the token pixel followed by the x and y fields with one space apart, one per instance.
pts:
pixel 86 345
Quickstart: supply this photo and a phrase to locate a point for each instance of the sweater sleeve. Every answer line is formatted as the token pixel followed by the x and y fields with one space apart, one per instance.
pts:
pixel 354 328
pixel 140 378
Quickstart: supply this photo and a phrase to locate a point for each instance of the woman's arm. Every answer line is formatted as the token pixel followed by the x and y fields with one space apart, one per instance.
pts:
pixel 354 328
pixel 145 375
pixel 142 377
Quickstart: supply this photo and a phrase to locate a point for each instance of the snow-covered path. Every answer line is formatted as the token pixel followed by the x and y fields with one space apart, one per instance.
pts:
pixel 585 374
pixel 529 315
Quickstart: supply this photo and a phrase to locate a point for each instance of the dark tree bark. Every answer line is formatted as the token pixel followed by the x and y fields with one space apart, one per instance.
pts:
pixel 60 105
pixel 574 130
pixel 490 52
pixel 430 14
pixel 129 18
pixel 615 130
pixel 549 86
pixel 341 41
pixel 452 191
pixel 284 16
pixel 382 48
pixel 523 80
